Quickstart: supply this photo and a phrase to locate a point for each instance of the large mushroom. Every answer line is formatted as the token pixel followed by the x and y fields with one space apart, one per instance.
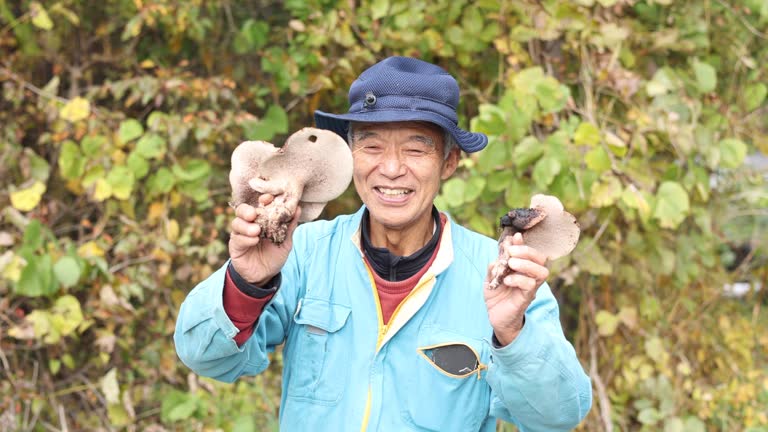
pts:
pixel 313 167
pixel 545 226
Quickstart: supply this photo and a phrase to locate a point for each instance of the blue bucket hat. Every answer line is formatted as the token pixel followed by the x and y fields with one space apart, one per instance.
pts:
pixel 404 89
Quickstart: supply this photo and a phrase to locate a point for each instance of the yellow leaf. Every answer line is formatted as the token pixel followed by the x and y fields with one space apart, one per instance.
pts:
pixel 156 210
pixel 172 230
pixel 40 18
pixel 29 198
pixel 102 191
pixel 75 110
pixel 11 266
pixel 90 249
pixel 147 64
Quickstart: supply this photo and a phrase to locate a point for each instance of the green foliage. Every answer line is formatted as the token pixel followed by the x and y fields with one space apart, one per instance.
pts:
pixel 118 119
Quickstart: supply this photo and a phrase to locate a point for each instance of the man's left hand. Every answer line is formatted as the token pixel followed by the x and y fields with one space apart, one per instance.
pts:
pixel 507 303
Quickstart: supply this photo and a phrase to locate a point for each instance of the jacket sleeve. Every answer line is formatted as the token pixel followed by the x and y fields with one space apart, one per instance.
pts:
pixel 537 381
pixel 205 335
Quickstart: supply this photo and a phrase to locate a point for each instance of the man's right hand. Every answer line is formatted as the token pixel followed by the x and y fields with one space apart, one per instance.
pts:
pixel 257 259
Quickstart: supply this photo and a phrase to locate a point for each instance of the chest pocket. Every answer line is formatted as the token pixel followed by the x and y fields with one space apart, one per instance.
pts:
pixel 449 391
pixel 316 361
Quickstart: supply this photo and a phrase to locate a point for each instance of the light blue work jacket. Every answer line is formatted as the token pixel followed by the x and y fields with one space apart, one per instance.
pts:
pixel 344 370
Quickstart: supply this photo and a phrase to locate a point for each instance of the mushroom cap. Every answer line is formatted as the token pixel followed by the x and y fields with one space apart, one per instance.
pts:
pixel 557 234
pixel 313 167
pixel 328 160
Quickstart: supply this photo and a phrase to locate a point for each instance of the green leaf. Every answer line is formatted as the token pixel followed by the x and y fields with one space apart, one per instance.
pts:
pixel 607 323
pixel 109 387
pixel 67 271
pixel 586 134
pixel 597 160
pixel 91 145
pixel 37 277
pixel 674 424
pixel 517 194
pixel 453 192
pixel 474 187
pixel 654 348
pixel 379 9
pixel 732 152
pixel 194 169
pixel 129 130
pixel 706 77
pixel 649 416
pixel 693 424
pixel 178 406
pixel 494 156
pixel 244 423
pixel 605 191
pixel 40 18
pixel 754 95
pixel 528 150
pixel 138 165
pixel 499 180
pixel 590 258
pixel 33 236
pixel 121 181
pixel 491 120
pixel 66 315
pixel 71 161
pixel 551 95
pixel 275 121
pixel 160 182
pixel 252 37
pixel 38 167
pixel 545 171
pixel 672 205
pixel 151 146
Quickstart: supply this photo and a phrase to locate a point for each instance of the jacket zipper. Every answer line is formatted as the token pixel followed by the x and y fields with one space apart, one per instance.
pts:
pixel 382 331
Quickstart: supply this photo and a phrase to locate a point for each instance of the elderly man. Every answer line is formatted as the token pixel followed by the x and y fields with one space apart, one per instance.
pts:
pixel 386 315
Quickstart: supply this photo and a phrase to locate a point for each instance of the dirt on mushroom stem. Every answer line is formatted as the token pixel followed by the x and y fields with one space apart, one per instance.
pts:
pixel 515 221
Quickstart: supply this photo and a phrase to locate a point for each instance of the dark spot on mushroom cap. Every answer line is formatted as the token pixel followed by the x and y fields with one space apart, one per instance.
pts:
pixel 522 218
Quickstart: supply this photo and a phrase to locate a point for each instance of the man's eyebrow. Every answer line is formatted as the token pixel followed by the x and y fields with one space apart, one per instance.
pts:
pixel 360 135
pixel 423 139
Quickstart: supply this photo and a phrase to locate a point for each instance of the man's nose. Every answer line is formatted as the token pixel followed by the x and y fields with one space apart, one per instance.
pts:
pixel 392 163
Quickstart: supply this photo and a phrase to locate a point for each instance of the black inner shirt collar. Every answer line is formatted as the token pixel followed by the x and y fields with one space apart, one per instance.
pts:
pixel 392 267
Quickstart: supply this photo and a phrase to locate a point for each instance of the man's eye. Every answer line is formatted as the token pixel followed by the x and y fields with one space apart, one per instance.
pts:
pixel 371 148
pixel 416 151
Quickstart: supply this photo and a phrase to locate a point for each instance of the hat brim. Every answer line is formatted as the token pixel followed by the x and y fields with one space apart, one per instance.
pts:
pixel 470 142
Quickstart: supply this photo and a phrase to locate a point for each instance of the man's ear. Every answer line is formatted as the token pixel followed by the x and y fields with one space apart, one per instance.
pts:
pixel 450 163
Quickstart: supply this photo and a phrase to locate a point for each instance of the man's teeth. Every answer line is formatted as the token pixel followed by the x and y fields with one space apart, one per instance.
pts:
pixel 393 191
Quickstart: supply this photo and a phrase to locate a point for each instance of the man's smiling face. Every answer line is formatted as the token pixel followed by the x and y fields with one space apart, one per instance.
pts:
pixel 398 168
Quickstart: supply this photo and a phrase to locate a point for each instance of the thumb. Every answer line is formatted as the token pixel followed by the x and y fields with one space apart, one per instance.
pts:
pixel 517 239
pixel 295 221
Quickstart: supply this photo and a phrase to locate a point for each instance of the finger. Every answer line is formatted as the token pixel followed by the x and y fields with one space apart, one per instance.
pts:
pixel 522 282
pixel 244 228
pixel 523 251
pixel 241 242
pixel 528 268
pixel 517 239
pixel 246 212
pixel 265 199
